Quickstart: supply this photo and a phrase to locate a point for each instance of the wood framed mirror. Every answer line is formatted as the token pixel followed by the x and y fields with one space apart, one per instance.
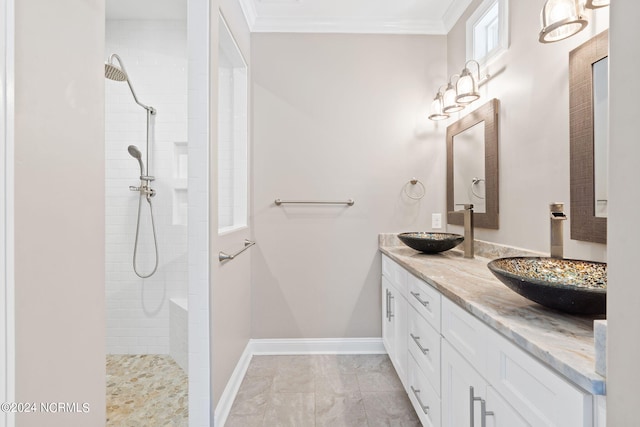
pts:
pixel 472 166
pixel 588 116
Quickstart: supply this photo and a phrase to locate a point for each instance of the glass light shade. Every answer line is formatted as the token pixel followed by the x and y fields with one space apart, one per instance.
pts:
pixel 466 88
pixel 449 101
pixel 595 4
pixel 436 109
pixel 561 19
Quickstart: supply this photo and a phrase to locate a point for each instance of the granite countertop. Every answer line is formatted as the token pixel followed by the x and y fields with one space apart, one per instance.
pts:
pixel 563 342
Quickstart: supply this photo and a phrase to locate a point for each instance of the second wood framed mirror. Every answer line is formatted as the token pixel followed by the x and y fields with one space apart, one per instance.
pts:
pixel 472 166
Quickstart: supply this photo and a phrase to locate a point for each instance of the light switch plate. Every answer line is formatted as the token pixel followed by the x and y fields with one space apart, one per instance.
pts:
pixel 436 221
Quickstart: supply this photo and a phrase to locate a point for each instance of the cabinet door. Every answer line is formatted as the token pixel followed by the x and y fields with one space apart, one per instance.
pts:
pixel 400 335
pixel 461 386
pixel 500 414
pixel 388 326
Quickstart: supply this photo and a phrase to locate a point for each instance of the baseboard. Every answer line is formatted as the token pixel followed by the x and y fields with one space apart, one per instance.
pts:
pixel 317 346
pixel 289 346
pixel 223 408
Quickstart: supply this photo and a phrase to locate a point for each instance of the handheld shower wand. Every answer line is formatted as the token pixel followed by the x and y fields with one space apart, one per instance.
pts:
pixel 147 192
pixel 136 154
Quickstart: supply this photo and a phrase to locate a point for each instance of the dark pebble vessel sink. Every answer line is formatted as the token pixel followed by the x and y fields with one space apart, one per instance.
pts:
pixel 431 243
pixel 569 285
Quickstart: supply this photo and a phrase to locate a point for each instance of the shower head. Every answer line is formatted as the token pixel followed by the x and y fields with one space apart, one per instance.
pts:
pixel 113 72
pixel 119 74
pixel 136 154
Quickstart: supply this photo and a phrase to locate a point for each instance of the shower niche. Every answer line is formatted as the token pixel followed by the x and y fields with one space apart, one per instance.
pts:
pixel 180 177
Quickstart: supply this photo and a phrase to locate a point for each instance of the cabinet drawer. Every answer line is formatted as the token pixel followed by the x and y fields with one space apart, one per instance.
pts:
pixel 424 345
pixel 425 299
pixel 423 397
pixel 539 395
pixel 395 274
pixel 465 333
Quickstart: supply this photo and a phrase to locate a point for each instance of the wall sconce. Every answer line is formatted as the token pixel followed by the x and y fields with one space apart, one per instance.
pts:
pixel 563 18
pixel 457 97
pixel 467 86
pixel 449 99
pixel 437 107
pixel 596 4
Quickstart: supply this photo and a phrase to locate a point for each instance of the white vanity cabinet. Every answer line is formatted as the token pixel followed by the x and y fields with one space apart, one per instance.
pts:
pixel 468 400
pixel 459 372
pixel 394 315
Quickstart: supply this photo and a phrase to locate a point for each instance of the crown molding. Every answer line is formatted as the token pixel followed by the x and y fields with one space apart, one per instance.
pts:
pixel 320 24
pixel 332 25
pixel 453 13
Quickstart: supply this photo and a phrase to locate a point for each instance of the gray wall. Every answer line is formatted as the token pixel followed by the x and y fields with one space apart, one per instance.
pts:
pixel 623 370
pixel 59 208
pixel 337 116
pixel 532 83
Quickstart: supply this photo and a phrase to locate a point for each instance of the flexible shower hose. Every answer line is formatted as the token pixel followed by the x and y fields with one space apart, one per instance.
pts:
pixel 155 239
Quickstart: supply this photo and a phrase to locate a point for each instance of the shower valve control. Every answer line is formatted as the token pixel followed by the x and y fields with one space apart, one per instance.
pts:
pixel 145 189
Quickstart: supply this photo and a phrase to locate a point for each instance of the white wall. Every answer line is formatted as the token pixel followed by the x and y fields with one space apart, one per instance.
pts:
pixel 59 209
pixel 623 297
pixel 532 83
pixel 155 57
pixel 337 116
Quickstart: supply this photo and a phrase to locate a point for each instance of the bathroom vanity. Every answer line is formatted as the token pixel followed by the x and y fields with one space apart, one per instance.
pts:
pixel 469 351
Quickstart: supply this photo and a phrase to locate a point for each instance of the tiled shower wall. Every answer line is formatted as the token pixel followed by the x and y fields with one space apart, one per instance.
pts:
pixel 155 57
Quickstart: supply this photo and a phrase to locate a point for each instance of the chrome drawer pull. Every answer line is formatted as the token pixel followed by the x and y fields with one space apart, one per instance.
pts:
pixel 472 400
pixel 417 341
pixel 484 413
pixel 387 308
pixel 417 296
pixel 391 313
pixel 424 407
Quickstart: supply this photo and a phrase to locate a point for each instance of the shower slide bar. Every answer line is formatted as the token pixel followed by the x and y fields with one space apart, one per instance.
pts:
pixel 223 256
pixel 349 202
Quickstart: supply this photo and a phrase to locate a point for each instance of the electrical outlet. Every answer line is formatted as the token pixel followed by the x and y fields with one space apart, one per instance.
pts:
pixel 436 221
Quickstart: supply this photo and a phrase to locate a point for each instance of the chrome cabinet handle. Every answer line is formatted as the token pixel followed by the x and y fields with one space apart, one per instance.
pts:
pixel 472 401
pixel 387 308
pixel 484 413
pixel 391 298
pixel 416 295
pixel 424 407
pixel 417 341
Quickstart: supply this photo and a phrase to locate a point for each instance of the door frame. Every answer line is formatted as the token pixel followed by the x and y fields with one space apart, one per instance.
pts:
pixel 7 285
pixel 198 252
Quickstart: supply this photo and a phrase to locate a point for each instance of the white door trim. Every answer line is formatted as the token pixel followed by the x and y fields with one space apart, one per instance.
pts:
pixel 198 29
pixel 7 318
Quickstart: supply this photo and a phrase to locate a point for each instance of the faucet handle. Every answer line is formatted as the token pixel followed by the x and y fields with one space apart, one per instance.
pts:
pixel 466 206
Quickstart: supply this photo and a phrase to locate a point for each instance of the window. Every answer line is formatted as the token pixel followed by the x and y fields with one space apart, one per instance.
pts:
pixel 488 31
pixel 232 133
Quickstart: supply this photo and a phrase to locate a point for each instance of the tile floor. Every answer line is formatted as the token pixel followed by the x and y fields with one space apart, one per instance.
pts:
pixel 146 390
pixel 321 390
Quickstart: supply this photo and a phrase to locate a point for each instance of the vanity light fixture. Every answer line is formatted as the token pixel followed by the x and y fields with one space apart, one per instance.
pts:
pixel 437 105
pixel 596 4
pixel 457 97
pixel 467 85
pixel 561 19
pixel 450 105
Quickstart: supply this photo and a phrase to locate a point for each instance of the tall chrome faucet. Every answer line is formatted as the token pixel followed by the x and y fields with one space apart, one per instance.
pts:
pixel 468 230
pixel 557 240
